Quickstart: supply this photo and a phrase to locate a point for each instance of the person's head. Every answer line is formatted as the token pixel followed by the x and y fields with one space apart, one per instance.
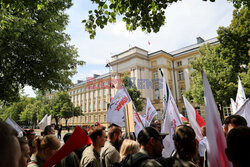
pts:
pixel 30 134
pixel 185 142
pixel 48 130
pixel 10 151
pixel 150 139
pixel 97 135
pixel 25 157
pixel 237 141
pixel 47 146
pixel 66 137
pixel 203 131
pixel 129 147
pixel 157 125
pixel 115 136
pixel 233 121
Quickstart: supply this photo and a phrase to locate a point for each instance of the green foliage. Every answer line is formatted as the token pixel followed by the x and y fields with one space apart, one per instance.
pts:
pixel 62 107
pixel 34 50
pixel 134 93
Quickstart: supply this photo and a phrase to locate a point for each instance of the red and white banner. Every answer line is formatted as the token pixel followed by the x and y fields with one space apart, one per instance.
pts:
pixel 215 136
pixel 195 119
pixel 116 108
pixel 149 114
pixel 240 97
pixel 244 111
pixel 137 123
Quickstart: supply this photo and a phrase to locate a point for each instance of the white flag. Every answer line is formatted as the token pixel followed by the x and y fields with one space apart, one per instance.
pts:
pixel 116 108
pixel 240 97
pixel 215 136
pixel 170 120
pixel 149 114
pixel 49 120
pixel 14 125
pixel 44 122
pixel 194 118
pixel 244 111
pixel 137 123
pixel 233 105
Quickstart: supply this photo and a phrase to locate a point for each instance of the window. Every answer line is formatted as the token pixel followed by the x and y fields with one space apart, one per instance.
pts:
pixel 181 92
pixel 99 119
pixel 104 118
pixel 100 105
pixel 180 74
pixel 157 94
pixel 227 111
pixel 89 119
pixel 179 63
pixel 155 74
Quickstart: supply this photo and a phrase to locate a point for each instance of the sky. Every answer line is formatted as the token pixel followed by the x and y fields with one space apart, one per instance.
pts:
pixel 185 20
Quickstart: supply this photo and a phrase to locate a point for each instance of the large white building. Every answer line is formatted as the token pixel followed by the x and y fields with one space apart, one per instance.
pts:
pixel 93 95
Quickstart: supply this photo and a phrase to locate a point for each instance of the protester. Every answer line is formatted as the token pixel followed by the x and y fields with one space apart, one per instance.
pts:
pixel 49 130
pixel 238 146
pixel 202 145
pixel 10 151
pixel 30 134
pixel 151 146
pixel 25 156
pixel 91 155
pixel 129 147
pixel 59 130
pixel 71 160
pixel 186 148
pixel 46 147
pixel 233 121
pixel 157 125
pixel 110 151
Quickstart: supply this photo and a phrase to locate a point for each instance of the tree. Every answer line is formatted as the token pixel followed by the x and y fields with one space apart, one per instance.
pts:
pixel 148 14
pixel 133 92
pixel 62 107
pixel 34 50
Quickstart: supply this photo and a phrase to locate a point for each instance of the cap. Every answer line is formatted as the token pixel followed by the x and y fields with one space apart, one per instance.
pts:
pixel 148 132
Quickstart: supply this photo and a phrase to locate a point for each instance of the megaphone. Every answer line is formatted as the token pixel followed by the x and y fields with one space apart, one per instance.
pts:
pixel 77 140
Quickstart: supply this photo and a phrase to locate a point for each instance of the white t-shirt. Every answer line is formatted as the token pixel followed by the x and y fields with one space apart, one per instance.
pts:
pixel 202 146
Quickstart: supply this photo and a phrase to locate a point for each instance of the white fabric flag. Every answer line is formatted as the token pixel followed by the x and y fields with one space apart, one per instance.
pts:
pixel 149 114
pixel 14 125
pixel 244 111
pixel 195 121
pixel 170 120
pixel 49 120
pixel 233 105
pixel 215 136
pixel 137 123
pixel 240 97
pixel 44 122
pixel 116 108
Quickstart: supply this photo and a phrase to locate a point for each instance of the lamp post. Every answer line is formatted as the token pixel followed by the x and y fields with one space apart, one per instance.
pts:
pixel 108 66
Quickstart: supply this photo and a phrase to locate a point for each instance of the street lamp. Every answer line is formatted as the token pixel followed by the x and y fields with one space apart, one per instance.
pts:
pixel 108 66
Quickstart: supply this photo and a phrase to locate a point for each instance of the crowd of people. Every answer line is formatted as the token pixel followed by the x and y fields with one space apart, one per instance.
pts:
pixel 112 148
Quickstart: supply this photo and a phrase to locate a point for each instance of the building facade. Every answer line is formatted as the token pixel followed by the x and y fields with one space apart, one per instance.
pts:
pixel 94 94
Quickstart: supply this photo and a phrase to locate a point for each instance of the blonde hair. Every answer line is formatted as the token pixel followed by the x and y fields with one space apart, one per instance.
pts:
pixel 129 147
pixel 49 141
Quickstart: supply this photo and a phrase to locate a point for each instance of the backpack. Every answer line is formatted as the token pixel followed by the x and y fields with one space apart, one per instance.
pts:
pixel 131 160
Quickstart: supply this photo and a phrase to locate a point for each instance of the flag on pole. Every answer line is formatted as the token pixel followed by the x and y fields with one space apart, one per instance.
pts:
pixel 215 136
pixel 137 123
pixel 149 114
pixel 195 119
pixel 233 105
pixel 244 111
pixel 116 108
pixel 45 121
pixel 14 125
pixel 170 120
pixel 240 97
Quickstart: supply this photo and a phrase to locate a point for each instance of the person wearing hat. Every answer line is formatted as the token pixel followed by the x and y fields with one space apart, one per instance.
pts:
pixel 151 146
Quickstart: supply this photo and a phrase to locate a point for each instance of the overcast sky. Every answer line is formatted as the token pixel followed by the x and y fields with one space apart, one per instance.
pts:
pixel 185 20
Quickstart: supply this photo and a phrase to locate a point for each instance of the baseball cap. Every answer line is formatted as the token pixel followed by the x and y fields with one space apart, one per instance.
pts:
pixel 148 132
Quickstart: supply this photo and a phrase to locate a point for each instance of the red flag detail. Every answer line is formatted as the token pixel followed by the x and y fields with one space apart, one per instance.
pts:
pixel 199 119
pixel 77 140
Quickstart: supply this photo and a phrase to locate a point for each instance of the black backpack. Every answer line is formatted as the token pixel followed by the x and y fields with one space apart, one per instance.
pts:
pixel 131 160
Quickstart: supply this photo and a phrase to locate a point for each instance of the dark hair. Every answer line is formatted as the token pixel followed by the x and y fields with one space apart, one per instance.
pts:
pixel 185 143
pixel 96 131
pixel 114 130
pixel 66 137
pixel 237 140
pixel 146 133
pixel 47 129
pixel 237 120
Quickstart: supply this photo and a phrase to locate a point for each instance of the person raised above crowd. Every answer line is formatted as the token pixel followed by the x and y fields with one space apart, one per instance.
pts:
pixel 10 151
pixel 186 148
pixel 91 155
pixel 151 146
pixel 238 146
pixel 110 151
pixel 46 147
pixel 25 156
pixel 233 121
